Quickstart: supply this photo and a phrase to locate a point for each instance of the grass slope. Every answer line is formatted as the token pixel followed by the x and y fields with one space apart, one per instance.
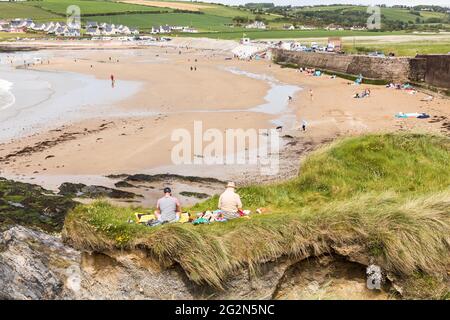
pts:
pixel 92 6
pixel 408 49
pixel 11 10
pixel 388 194
pixel 397 14
pixel 146 21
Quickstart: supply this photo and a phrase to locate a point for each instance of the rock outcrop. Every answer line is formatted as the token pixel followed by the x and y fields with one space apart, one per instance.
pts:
pixel 83 191
pixel 31 205
pixel 36 265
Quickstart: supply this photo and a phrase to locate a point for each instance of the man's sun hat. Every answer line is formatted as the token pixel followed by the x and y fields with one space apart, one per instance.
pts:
pixel 231 185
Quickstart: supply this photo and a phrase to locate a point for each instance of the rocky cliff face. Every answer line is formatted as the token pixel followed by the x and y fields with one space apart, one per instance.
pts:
pixel 36 265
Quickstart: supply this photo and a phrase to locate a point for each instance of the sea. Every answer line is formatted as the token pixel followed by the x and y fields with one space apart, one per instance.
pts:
pixel 7 98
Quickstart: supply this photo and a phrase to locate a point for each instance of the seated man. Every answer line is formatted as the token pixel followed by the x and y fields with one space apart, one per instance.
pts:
pixel 168 208
pixel 230 202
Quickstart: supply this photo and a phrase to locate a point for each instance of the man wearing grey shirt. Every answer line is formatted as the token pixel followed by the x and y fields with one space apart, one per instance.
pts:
pixel 168 208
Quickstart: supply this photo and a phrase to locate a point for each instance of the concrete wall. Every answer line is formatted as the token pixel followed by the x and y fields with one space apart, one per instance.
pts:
pixel 437 70
pixel 393 69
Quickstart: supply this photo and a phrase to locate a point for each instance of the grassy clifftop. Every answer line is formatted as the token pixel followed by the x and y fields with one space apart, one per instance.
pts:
pixel 386 194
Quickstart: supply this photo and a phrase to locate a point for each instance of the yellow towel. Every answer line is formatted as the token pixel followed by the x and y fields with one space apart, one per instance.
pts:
pixel 143 218
pixel 184 217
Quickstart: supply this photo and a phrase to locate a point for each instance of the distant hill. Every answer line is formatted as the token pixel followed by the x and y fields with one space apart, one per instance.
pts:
pixel 216 20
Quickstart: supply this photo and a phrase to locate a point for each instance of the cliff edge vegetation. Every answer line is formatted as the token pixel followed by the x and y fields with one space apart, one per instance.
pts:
pixel 385 196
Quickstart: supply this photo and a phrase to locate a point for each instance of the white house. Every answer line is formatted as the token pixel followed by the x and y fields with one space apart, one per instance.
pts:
pixel 307 28
pixel 256 25
pixel 91 24
pixel 59 31
pixel 289 27
pixel 38 27
pixel 108 30
pixel 71 32
pixel 189 30
pixel 92 31
pixel 161 29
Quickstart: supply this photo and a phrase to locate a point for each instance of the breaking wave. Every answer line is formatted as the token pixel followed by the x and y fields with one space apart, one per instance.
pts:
pixel 7 99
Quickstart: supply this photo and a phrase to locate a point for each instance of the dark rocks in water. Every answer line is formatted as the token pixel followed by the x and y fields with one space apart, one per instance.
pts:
pixel 164 177
pixel 32 206
pixel 124 184
pixel 12 49
pixel 71 189
pixel 197 195
pixel 83 191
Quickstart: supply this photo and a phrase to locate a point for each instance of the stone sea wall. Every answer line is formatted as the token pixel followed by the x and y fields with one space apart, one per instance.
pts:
pixel 432 69
pixel 437 70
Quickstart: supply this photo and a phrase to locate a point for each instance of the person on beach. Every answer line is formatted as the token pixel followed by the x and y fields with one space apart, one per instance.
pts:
pixel 311 94
pixel 230 202
pixel 304 123
pixel 112 80
pixel 168 208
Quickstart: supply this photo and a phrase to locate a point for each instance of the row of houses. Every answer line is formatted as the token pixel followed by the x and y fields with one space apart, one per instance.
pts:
pixel 94 28
pixel 62 29
pixel 334 45
pixel 23 25
pixel 329 28
pixel 292 27
pixel 256 25
pixel 169 29
pixel 333 27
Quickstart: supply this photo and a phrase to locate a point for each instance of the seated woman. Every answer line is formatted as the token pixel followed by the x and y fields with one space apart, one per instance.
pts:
pixel 230 202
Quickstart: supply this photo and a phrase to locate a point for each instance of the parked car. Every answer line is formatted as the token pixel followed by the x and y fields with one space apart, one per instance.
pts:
pixel 376 54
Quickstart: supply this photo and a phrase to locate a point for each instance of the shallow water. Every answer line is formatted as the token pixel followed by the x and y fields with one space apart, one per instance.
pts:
pixel 47 99
pixel 277 97
pixel 7 99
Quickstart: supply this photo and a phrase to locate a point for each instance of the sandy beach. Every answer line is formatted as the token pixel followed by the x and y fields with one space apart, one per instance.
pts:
pixel 126 129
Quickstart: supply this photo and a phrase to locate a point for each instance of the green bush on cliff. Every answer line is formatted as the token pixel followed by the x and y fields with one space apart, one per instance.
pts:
pixel 386 194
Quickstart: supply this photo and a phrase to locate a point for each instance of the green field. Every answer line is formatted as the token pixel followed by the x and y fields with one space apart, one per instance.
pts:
pixel 401 49
pixel 145 21
pixel 398 14
pixel 23 10
pixel 93 7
